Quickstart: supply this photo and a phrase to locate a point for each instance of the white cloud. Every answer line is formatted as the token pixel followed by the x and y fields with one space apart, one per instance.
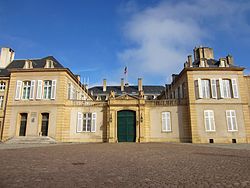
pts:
pixel 161 37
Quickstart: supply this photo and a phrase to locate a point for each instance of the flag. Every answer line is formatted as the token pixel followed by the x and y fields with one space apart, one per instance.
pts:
pixel 125 70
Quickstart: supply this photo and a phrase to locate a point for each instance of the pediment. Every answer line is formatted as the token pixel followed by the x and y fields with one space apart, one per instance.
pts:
pixel 126 97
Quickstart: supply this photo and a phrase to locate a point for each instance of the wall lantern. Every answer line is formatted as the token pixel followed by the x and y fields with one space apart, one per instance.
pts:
pixel 141 118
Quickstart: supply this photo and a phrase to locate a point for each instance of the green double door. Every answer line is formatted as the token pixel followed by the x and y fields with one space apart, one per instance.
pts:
pixel 126 129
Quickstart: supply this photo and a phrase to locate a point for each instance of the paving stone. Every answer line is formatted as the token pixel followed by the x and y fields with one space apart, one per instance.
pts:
pixel 124 165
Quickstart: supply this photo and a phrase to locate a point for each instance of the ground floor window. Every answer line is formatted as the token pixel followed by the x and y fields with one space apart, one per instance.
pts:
pixel 166 121
pixel 86 122
pixel 231 120
pixel 209 120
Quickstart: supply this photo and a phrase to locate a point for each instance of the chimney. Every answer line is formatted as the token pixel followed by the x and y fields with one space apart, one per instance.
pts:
pixel 78 77
pixel 122 84
pixel 230 60
pixel 104 85
pixel 140 84
pixel 203 52
pixel 6 57
pixel 190 63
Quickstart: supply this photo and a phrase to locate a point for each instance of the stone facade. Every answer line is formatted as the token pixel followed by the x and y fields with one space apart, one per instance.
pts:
pixel 208 101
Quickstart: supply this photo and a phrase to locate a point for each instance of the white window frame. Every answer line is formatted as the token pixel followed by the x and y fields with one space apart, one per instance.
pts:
pixel 47 87
pixel 205 88
pixel 86 118
pixel 39 90
pixel 209 115
pixel 2 86
pixel 231 117
pixel 225 88
pixel 26 91
pixel 166 122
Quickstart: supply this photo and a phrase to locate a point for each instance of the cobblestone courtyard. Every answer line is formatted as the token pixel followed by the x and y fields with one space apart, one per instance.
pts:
pixel 125 165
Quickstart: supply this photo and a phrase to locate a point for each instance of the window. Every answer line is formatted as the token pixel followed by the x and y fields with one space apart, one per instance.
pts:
pixel 49 64
pixel 26 89
pixel 231 120
pixel 2 86
pixel 86 122
pixel 235 88
pixel 225 89
pixel 47 89
pixel 209 120
pixel 205 85
pixel 1 101
pixel 166 122
pixel 204 88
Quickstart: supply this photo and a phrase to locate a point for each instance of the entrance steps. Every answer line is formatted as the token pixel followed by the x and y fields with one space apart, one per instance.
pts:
pixel 31 140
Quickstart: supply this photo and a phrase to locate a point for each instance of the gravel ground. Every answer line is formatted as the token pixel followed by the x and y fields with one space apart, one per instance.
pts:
pixel 125 165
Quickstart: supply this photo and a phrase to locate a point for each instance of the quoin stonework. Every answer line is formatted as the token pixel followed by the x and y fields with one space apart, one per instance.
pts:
pixel 207 102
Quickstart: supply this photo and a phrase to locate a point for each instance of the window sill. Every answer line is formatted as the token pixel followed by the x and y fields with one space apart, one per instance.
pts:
pixel 232 131
pixel 166 131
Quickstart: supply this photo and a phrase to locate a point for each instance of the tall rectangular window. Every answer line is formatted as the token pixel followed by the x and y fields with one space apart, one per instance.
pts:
pixel 26 89
pixel 166 121
pixel 47 89
pixel 209 120
pixel 205 85
pixel 2 86
pixel 231 120
pixel 235 88
pixel 225 88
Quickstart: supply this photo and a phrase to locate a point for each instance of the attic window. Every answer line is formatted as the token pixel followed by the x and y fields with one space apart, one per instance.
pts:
pixel 28 64
pixel 222 63
pixel 49 64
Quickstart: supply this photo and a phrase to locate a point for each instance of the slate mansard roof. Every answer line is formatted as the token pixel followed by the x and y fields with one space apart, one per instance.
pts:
pixel 149 89
pixel 36 63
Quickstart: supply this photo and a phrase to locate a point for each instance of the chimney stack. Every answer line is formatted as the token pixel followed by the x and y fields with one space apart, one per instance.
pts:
pixel 104 85
pixel 122 84
pixel 78 77
pixel 230 60
pixel 6 57
pixel 190 62
pixel 140 84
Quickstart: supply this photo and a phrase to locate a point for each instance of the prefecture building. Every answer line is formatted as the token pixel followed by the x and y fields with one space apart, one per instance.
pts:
pixel 208 101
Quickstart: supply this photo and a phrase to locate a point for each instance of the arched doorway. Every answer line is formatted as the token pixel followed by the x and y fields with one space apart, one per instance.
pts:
pixel 126 126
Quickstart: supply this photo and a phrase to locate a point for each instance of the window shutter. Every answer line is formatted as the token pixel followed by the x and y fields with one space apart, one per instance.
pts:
pixel 18 89
pixel 53 90
pixel 214 88
pixel 235 88
pixel 200 89
pixel 93 125
pixel 32 89
pixel 168 126
pixel 164 121
pixel 212 123
pixel 39 89
pixel 221 88
pixel 79 122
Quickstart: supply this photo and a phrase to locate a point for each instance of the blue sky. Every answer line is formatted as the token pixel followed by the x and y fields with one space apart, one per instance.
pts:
pixel 97 39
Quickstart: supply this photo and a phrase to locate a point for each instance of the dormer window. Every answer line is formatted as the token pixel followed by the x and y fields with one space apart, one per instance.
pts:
pixel 202 63
pixel 222 63
pixel 28 64
pixel 49 64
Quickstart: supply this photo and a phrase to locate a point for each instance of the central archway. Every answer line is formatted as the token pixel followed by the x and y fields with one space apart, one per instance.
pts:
pixel 126 126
